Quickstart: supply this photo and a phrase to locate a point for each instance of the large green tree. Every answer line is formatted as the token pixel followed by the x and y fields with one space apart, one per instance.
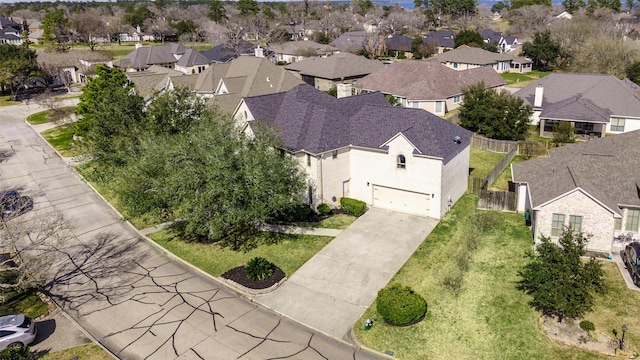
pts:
pixel 174 112
pixel 55 29
pixel 544 50
pixel 17 65
pixel 633 72
pixel 138 16
pixel 248 7
pixel 217 12
pixel 497 115
pixel 572 6
pixel 447 7
pixel 560 283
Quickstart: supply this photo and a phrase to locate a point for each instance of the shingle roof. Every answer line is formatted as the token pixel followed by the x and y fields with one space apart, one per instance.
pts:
pixel 145 56
pixel 426 80
pixel 443 37
pixel 341 65
pixel 185 81
pixel 313 121
pixel 607 168
pixel 398 43
pixel 606 92
pixel 225 52
pixel 352 41
pixel 471 55
pixel 244 76
pixel 491 35
pixel 191 58
pixel 302 47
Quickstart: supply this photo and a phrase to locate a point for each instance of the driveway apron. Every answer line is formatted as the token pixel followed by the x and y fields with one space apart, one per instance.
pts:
pixel 334 288
pixel 136 300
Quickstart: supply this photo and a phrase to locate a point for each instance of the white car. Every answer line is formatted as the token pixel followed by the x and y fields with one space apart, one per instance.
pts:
pixel 16 330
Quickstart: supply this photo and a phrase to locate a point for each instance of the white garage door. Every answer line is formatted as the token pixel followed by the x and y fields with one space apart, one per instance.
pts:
pixel 401 200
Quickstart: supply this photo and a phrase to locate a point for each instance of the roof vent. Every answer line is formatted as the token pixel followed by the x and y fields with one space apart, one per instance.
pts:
pixel 268 79
pixel 456 139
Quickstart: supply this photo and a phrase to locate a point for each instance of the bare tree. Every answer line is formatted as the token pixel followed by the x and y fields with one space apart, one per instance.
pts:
pixel 375 45
pixel 528 19
pixel 88 27
pixel 28 243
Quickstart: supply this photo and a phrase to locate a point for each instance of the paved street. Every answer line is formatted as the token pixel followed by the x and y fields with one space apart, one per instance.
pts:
pixel 139 302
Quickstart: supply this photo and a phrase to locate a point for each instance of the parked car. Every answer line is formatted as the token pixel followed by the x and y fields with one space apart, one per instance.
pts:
pixel 631 258
pixel 16 330
pixel 13 204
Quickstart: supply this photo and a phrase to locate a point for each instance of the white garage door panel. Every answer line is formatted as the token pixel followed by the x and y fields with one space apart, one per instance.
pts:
pixel 400 200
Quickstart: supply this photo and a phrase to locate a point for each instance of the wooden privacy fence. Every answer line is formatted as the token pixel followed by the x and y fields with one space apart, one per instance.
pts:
pixel 475 183
pixel 526 148
pixel 497 200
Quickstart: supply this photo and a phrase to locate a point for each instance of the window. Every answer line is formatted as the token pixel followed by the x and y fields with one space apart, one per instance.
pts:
pixel 334 154
pixel 310 194
pixel 632 220
pixel 308 159
pixel 402 162
pixel 456 99
pixel 557 223
pixel 617 224
pixel 438 108
pixel 575 223
pixel 617 124
pixel 415 104
pixel 455 65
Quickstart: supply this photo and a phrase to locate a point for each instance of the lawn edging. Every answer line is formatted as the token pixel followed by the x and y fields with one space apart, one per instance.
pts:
pixel 251 293
pixel 352 339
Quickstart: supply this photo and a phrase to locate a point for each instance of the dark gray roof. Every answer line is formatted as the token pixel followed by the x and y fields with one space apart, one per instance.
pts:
pixel 6 23
pixel 444 38
pixel 144 56
pixel 604 95
pixel 426 80
pixel 398 43
pixel 227 51
pixel 491 35
pixel 191 58
pixel 607 168
pixel 471 55
pixel 352 41
pixel 313 121
pixel 336 67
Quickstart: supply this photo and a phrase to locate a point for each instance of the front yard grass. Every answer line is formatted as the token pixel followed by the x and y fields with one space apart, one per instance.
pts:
pixel 287 251
pixel 82 352
pixel 46 116
pixel 5 100
pixel 26 302
pixel 61 138
pixel 490 318
pixel 481 162
pixel 337 221
pixel 522 80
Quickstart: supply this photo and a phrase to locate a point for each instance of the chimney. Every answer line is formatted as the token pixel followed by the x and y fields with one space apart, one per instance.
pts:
pixel 344 90
pixel 537 100
pixel 259 52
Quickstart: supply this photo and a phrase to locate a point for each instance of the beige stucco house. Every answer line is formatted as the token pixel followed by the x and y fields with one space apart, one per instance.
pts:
pixel 361 147
pixel 592 186
pixel 594 104
pixel 466 57
pixel 427 85
pixel 292 51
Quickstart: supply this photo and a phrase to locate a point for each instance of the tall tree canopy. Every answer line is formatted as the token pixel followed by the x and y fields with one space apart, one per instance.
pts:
pixel 497 115
pixel 447 7
pixel 138 16
pixel 55 28
pixel 17 65
pixel 217 12
pixel 559 282
pixel 248 7
pixel 543 50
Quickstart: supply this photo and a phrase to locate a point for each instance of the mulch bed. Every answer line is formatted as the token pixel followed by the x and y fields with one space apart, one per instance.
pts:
pixel 238 276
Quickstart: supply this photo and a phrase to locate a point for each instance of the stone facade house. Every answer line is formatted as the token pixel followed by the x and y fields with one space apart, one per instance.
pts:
pixel 427 85
pixel 327 73
pixel 361 147
pixel 591 186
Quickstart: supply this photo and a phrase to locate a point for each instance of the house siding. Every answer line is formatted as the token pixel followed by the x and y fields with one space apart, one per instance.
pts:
pixel 453 183
pixel 629 125
pixel 597 221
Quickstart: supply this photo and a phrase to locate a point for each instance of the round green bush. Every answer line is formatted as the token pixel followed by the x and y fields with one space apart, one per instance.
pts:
pixel 258 269
pixel 587 325
pixel 399 305
pixel 324 209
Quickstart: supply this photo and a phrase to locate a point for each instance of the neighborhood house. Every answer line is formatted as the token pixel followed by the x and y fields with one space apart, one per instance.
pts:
pixel 361 147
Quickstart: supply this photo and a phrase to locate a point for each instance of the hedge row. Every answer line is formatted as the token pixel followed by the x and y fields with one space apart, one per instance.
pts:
pixel 353 206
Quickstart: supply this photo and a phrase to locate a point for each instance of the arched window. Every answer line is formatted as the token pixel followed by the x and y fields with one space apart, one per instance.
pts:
pixel 402 162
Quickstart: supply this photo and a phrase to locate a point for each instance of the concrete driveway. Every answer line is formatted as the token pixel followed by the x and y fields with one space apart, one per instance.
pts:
pixel 136 300
pixel 334 288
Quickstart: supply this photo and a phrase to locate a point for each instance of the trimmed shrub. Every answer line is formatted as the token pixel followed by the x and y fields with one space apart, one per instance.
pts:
pixel 294 213
pixel 258 269
pixel 353 206
pixel 15 353
pixel 587 326
pixel 324 209
pixel 399 305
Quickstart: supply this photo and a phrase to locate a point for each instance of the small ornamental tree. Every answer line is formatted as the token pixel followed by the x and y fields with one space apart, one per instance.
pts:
pixel 560 283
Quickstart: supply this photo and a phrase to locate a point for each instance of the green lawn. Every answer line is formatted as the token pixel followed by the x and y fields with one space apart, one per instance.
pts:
pixel 82 352
pixel 481 162
pixel 522 80
pixel 5 100
pixel 61 138
pixel 489 319
pixel 287 251
pixel 502 182
pixel 46 116
pixel 26 302
pixel 337 221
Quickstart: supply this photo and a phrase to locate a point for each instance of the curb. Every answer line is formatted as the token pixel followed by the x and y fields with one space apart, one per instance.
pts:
pixel 249 292
pixel 353 339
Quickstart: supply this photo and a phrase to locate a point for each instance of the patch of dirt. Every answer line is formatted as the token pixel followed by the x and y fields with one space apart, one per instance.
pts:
pixel 572 335
pixel 238 276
